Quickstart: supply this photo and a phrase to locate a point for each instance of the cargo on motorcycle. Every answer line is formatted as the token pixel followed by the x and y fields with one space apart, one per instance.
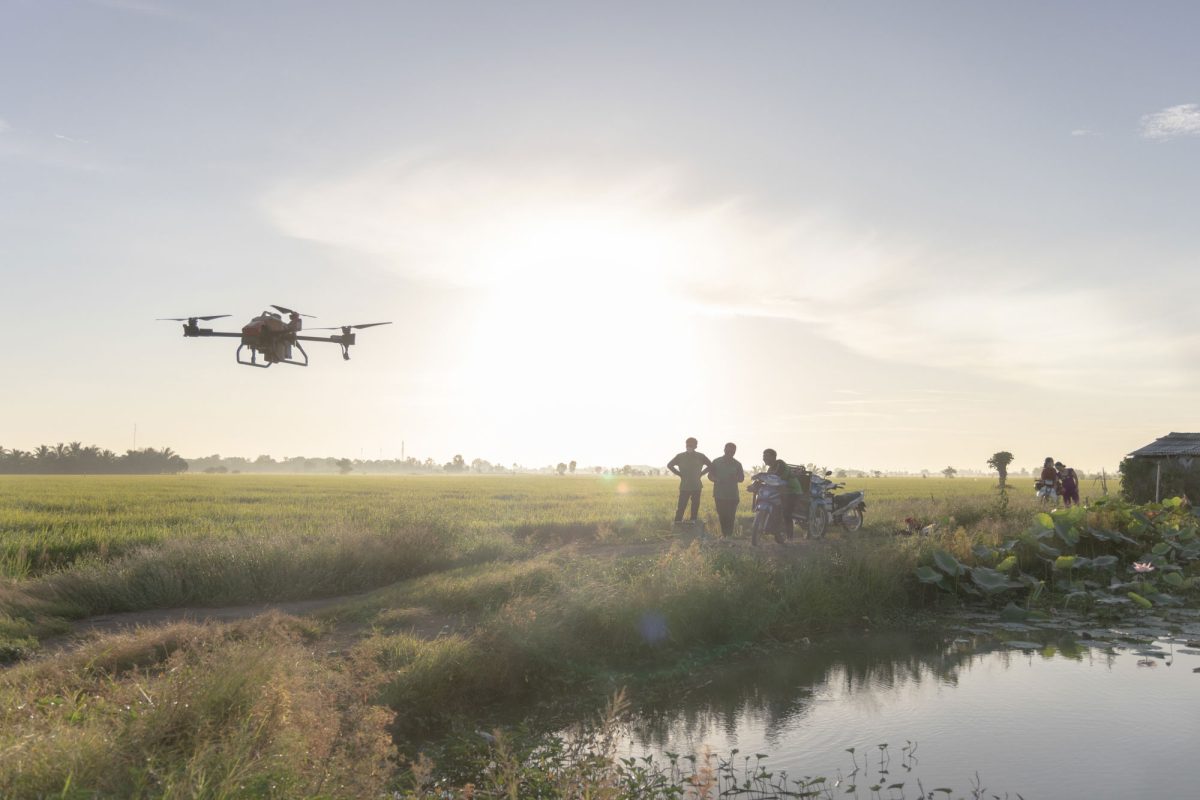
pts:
pixel 785 495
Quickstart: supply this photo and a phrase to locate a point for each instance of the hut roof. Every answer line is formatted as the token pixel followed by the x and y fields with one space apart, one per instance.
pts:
pixel 1169 446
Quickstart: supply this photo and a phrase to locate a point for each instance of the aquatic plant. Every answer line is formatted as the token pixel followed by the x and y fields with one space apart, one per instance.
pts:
pixel 1081 554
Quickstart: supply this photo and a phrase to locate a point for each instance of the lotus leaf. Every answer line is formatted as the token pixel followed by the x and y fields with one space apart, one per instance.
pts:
pixel 929 575
pixel 1141 601
pixel 948 563
pixel 1013 613
pixel 992 581
pixel 1066 531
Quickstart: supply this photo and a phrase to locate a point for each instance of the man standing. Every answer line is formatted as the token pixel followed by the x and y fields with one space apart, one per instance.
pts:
pixel 777 466
pixel 726 473
pixel 690 466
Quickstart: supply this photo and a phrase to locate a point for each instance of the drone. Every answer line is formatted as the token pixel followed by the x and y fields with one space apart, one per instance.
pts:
pixel 270 340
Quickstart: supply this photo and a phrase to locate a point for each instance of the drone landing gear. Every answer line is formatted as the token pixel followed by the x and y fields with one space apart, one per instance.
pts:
pixel 267 362
pixel 303 363
pixel 253 362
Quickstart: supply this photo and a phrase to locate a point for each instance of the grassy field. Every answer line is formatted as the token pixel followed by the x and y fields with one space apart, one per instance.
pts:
pixel 48 523
pixel 482 593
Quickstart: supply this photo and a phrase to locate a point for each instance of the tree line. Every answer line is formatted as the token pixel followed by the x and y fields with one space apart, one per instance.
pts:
pixel 79 459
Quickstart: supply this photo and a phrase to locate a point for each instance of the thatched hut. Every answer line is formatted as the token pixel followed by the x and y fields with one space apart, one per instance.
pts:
pixel 1171 456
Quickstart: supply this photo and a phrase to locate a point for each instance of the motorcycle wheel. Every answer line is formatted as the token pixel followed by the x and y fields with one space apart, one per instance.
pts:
pixel 853 520
pixel 761 518
pixel 818 521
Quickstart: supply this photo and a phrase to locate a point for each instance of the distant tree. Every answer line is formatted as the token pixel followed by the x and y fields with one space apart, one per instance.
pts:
pixel 999 462
pixel 949 472
pixel 571 467
pixel 840 473
pixel 344 465
pixel 924 473
pixel 561 469
pixel 599 470
pixel 875 473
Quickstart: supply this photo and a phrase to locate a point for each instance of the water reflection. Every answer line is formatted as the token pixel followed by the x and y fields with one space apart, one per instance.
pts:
pixel 1011 701
pixel 772 692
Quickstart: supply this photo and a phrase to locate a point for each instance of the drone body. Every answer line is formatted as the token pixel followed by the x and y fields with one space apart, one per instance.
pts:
pixel 268 339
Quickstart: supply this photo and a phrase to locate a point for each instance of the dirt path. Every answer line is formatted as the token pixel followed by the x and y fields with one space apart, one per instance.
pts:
pixel 127 620
pixel 424 622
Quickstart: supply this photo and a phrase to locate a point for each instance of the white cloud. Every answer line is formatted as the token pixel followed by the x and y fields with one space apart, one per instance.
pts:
pixel 1182 120
pixel 647 237
pixel 1085 132
pixel 4 126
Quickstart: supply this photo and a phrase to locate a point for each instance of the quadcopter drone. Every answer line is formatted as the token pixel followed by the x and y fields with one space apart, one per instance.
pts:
pixel 270 339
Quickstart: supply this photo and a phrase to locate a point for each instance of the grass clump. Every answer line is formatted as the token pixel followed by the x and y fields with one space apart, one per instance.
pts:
pixel 192 711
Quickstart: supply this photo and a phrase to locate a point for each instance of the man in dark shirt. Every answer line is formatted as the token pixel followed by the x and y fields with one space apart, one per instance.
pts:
pixel 777 466
pixel 690 466
pixel 726 473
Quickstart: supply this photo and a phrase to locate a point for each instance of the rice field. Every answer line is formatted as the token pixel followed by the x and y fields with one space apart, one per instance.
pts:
pixel 50 523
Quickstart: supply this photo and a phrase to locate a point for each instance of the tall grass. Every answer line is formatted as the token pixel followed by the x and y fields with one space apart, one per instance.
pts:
pixel 562 622
pixel 191 711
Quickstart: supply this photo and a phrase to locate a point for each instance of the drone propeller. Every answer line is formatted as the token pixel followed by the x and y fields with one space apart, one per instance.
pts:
pixel 351 327
pixel 189 319
pixel 290 311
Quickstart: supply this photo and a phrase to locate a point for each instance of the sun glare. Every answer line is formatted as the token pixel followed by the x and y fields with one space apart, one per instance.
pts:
pixel 588 296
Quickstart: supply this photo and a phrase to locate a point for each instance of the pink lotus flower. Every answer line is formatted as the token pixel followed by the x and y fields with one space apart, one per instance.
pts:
pixel 1143 566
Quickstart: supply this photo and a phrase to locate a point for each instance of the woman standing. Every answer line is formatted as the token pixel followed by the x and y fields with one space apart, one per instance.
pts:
pixel 1069 482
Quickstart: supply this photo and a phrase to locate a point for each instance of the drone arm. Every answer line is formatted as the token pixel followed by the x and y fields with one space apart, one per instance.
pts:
pixel 345 340
pixel 191 330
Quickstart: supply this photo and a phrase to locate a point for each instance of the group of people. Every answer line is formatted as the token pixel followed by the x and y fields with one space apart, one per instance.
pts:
pixel 1058 480
pixel 725 472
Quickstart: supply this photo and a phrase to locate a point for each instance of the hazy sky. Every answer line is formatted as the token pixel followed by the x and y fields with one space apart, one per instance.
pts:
pixel 893 235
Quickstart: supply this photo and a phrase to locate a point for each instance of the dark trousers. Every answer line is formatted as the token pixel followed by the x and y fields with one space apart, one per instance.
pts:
pixel 684 497
pixel 787 508
pixel 726 512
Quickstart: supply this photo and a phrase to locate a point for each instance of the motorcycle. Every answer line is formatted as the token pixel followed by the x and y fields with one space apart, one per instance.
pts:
pixel 846 509
pixel 810 510
pixel 814 510
pixel 1047 492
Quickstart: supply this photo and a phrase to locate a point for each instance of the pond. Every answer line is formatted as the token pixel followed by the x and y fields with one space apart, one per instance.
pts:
pixel 1037 708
